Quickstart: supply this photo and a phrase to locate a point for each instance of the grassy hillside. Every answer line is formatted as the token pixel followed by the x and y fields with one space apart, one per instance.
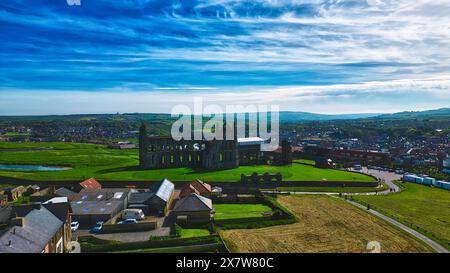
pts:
pixel 88 160
pixel 426 209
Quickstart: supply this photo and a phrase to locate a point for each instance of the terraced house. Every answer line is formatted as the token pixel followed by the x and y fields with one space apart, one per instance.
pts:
pixel 39 231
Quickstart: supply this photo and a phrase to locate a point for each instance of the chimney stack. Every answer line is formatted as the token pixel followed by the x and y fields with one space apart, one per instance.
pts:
pixel 18 221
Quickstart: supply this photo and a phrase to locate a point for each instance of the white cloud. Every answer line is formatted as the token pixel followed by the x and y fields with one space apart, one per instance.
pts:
pixel 369 97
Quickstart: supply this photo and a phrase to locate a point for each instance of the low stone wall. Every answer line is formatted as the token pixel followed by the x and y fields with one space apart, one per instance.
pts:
pixel 179 184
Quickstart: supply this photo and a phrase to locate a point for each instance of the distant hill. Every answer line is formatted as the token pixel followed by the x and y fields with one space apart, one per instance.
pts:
pixel 285 117
pixel 437 113
pixel 305 116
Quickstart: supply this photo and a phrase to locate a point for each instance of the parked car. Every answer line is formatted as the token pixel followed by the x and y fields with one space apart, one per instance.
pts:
pixel 128 221
pixel 137 214
pixel 98 227
pixel 74 225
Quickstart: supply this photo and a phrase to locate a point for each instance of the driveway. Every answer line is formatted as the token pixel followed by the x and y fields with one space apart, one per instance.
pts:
pixel 134 236
pixel 124 236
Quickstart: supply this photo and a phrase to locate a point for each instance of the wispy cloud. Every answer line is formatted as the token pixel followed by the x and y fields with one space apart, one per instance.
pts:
pixel 309 50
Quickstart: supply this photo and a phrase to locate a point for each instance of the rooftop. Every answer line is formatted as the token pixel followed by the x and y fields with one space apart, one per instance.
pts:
pixel 95 207
pixel 106 194
pixel 63 192
pixel 165 190
pixel 91 183
pixel 250 141
pixel 40 225
pixel 193 202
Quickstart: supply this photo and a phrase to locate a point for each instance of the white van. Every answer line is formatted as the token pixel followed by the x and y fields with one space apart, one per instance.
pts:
pixel 137 214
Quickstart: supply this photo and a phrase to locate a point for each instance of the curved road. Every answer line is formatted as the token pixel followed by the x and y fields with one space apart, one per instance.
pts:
pixel 383 176
pixel 388 178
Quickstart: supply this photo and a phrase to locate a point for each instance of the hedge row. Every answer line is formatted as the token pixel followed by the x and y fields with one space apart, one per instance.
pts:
pixel 152 244
pixel 281 216
pixel 260 224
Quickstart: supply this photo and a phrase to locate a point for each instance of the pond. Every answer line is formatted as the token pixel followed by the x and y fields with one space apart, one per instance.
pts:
pixel 32 168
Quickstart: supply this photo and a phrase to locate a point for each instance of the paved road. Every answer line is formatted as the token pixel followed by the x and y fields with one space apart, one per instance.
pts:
pixel 437 247
pixel 387 177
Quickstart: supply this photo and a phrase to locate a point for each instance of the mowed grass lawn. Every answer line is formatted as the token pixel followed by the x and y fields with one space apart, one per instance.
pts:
pixel 424 207
pixel 234 211
pixel 194 232
pixel 326 225
pixel 89 160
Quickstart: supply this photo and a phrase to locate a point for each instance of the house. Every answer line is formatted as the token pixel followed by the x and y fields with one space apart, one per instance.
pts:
pixel 187 190
pixel 93 205
pixel 32 189
pixel 60 207
pixel 14 193
pixel 140 200
pixel 162 198
pixel 3 199
pixel 42 195
pixel 91 183
pixel 194 207
pixel 64 192
pixel 196 186
pixel 39 231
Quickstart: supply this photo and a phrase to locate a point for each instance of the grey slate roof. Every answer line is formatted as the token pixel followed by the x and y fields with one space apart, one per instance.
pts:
pixel 140 197
pixel 165 190
pixel 63 192
pixel 193 202
pixel 60 210
pixel 40 226
pixel 105 194
pixel 6 213
pixel 96 208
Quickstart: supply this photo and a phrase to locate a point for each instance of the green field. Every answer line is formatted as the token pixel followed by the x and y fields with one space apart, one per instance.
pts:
pixel 194 232
pixel 89 160
pixel 423 208
pixel 234 211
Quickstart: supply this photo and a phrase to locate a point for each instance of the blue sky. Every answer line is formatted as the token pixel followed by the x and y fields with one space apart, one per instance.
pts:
pixel 147 55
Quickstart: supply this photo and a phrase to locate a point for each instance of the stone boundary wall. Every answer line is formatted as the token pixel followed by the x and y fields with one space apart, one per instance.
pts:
pixel 178 184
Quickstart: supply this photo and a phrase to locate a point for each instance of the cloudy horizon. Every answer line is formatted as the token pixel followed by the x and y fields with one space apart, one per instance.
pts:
pixel 320 56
